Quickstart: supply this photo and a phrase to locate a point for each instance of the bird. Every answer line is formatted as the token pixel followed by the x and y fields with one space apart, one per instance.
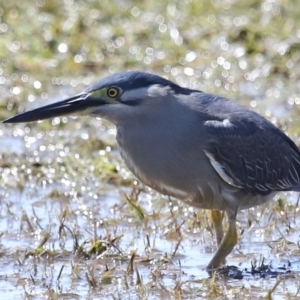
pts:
pixel 203 149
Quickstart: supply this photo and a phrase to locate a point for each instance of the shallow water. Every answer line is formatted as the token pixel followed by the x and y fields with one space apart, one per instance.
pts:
pixel 62 180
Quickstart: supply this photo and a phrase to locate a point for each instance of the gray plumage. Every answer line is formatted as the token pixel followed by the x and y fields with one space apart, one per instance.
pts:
pixel 201 148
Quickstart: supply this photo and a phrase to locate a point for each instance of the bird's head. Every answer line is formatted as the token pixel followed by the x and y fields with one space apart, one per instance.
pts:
pixel 112 97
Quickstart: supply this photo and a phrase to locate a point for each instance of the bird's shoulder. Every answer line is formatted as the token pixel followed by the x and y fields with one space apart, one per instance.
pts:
pixel 224 116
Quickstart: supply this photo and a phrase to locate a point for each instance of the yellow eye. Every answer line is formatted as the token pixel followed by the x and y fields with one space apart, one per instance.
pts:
pixel 112 92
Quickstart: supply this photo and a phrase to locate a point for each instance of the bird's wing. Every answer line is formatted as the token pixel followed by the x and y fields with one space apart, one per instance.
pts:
pixel 253 154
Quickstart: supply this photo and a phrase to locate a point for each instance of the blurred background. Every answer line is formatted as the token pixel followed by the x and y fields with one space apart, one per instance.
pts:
pixel 74 222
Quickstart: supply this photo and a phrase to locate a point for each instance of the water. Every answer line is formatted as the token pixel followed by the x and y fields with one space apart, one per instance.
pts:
pixel 64 178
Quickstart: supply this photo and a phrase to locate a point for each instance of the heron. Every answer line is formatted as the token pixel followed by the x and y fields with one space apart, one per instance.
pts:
pixel 200 148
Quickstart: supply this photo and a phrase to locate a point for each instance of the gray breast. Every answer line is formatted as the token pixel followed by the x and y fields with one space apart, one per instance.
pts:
pixel 149 169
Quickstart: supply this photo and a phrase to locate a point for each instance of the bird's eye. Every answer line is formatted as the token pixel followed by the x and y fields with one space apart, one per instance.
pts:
pixel 112 92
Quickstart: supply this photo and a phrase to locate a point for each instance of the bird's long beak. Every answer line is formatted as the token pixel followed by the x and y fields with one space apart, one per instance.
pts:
pixel 78 104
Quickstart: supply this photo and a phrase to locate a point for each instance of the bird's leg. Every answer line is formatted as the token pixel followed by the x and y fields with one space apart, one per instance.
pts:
pixel 217 218
pixel 227 244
